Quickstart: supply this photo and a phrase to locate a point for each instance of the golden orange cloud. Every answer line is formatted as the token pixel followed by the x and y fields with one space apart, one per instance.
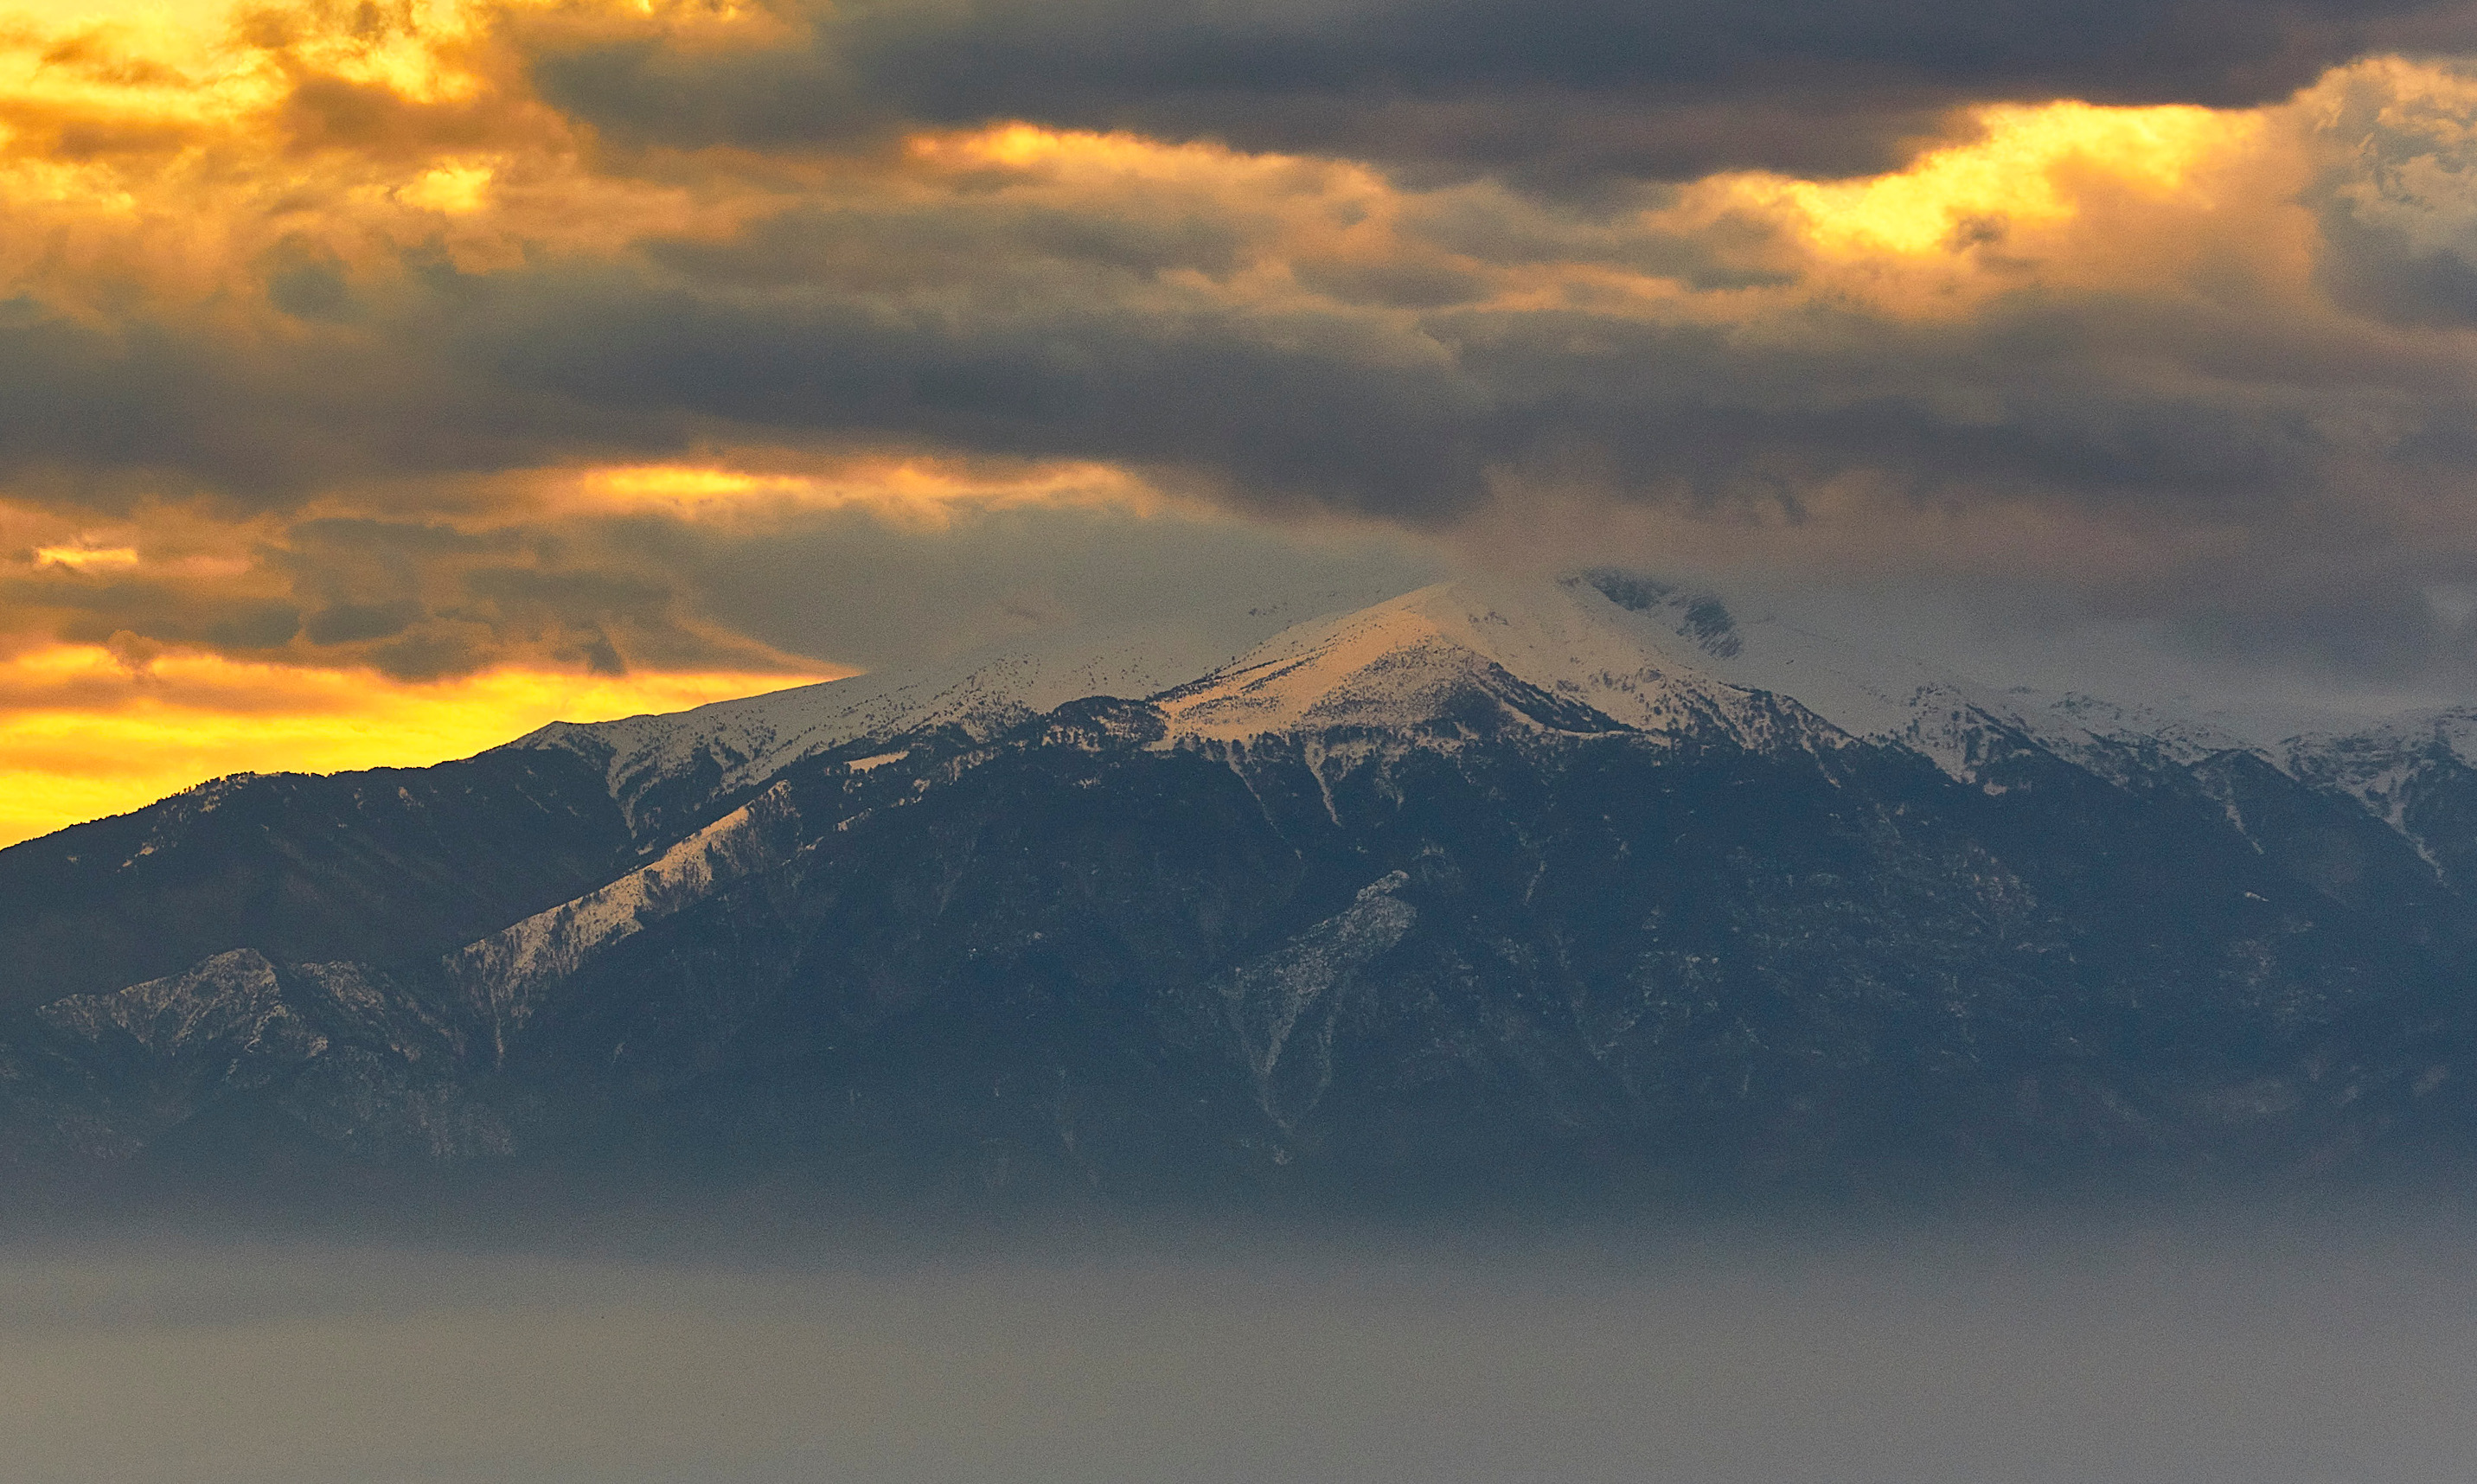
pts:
pixel 180 149
pixel 2017 173
pixel 2058 195
pixel 913 490
pixel 82 558
pixel 84 734
pixel 180 144
pixel 2062 194
pixel 188 146
pixel 174 147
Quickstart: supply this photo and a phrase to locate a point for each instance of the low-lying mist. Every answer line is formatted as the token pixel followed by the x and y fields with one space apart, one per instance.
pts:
pixel 2330 1348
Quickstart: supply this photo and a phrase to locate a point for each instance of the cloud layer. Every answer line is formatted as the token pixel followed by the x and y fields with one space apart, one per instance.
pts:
pixel 1567 92
pixel 477 337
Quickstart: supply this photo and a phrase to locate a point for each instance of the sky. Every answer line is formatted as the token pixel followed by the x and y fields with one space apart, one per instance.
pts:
pixel 381 380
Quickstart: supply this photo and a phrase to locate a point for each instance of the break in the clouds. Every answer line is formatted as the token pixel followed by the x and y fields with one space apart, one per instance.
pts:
pixel 476 338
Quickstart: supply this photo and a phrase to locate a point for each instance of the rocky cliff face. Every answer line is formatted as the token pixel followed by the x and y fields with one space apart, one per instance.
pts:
pixel 1477 889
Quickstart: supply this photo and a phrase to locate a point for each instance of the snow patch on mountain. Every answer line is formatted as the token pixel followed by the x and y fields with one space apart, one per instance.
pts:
pixel 232 999
pixel 501 976
pixel 1290 999
pixel 2381 765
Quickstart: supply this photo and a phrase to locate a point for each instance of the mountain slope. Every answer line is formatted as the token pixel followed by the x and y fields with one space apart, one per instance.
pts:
pixel 2418 773
pixel 376 864
pixel 1558 654
pixel 1873 692
pixel 673 773
pixel 1488 884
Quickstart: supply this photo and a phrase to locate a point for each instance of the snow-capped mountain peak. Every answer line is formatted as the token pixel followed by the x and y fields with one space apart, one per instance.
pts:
pixel 1878 693
pixel 727 748
pixel 1558 654
pixel 1576 652
pixel 1591 651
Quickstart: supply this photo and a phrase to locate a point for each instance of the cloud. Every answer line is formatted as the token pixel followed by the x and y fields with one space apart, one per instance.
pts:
pixel 1556 93
pixel 1286 333
pixel 849 583
pixel 2100 307
pixel 2397 200
pixel 355 642
pixel 2052 318
pixel 621 342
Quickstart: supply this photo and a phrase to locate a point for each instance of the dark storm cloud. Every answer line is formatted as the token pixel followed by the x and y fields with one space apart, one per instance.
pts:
pixel 1344 401
pixel 2031 399
pixel 1304 408
pixel 2148 384
pixel 98 407
pixel 1555 92
pixel 860 248
pixel 170 403
pixel 1000 329
pixel 94 612
pixel 2376 631
pixel 414 601
pixel 2182 406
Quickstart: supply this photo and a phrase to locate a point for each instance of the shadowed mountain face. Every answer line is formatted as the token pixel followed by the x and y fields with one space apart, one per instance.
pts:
pixel 1479 891
pixel 377 865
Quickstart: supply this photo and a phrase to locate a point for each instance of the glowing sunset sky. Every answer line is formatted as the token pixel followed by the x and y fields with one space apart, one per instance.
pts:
pixel 379 381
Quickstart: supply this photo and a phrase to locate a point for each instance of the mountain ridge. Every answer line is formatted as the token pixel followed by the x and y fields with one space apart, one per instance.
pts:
pixel 1492 876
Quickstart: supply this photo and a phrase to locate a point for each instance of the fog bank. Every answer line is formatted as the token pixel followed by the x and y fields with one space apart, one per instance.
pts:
pixel 2134 1353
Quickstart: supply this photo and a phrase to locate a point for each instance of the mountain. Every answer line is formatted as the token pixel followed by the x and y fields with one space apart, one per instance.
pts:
pixel 368 864
pixel 673 773
pixel 2417 773
pixel 1583 882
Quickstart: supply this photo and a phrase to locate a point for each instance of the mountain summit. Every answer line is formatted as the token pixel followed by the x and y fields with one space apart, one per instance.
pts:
pixel 1587 880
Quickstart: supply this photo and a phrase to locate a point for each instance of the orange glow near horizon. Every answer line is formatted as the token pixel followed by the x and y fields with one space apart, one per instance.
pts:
pixel 82 737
